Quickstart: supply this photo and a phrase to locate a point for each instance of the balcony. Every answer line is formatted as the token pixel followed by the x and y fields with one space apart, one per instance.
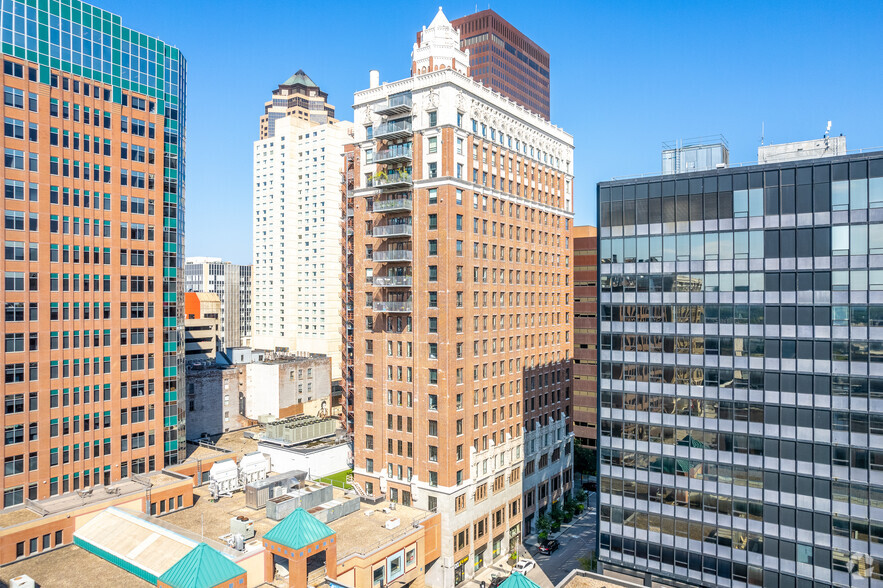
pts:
pixel 395 154
pixel 392 281
pixel 393 205
pixel 392 179
pixel 394 129
pixel 397 104
pixel 392 306
pixel 393 255
pixel 397 230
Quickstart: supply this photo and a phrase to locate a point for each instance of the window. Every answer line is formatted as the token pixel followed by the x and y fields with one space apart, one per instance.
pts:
pixel 433 144
pixel 14 129
pixel 433 118
pixel 13 97
pixel 433 170
pixel 433 222
pixel 15 159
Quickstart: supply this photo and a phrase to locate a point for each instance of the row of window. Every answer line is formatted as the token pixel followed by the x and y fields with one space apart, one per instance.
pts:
pixel 15 403
pixel 15 311
pixel 15 282
pixel 825 350
pixel 838 489
pixel 686 562
pixel 742 379
pixel 839 240
pixel 774 282
pixel 16 190
pixel 856 315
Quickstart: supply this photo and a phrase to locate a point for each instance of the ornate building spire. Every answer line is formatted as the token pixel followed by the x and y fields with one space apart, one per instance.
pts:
pixel 439 48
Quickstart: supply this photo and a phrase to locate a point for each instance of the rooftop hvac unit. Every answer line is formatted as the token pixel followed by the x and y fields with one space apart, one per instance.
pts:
pixel 242 526
pixel 22 582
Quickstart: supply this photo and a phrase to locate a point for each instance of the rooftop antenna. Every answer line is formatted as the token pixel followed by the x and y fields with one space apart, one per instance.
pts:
pixel 761 132
pixel 827 132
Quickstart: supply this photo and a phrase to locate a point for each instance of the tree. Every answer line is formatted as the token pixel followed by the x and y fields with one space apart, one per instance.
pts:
pixel 544 526
pixel 588 562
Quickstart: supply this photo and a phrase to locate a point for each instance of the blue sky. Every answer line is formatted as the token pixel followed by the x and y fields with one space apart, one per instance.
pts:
pixel 626 76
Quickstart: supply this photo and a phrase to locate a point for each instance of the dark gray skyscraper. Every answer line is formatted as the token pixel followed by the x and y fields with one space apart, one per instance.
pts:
pixel 741 376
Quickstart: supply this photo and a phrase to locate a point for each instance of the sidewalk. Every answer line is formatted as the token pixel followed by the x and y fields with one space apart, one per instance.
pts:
pixel 533 539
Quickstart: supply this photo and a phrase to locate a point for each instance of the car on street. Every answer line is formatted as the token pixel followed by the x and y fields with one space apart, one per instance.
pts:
pixel 548 546
pixel 497 581
pixel 522 566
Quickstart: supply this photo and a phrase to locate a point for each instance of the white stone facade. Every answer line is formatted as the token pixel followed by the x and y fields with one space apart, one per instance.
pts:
pixel 296 239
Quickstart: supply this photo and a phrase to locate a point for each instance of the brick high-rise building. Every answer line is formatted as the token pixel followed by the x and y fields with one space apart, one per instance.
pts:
pixel 504 59
pixel 93 267
pixel 462 337
pixel 585 335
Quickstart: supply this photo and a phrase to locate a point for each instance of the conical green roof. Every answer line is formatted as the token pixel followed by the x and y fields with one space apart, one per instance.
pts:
pixel 298 530
pixel 203 567
pixel 517 580
pixel 300 78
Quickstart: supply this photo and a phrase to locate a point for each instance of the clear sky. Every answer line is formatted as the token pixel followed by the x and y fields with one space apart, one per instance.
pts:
pixel 626 76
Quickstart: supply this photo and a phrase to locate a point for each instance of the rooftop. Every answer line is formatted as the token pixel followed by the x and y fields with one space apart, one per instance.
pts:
pixel 96 495
pixel 138 541
pixel 231 442
pixel 53 568
pixel 356 533
pixel 361 533
pixel 736 167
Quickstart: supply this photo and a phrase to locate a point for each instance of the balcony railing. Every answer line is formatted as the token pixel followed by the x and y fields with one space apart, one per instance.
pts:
pixel 393 129
pixel 402 230
pixel 394 205
pixel 393 255
pixel 392 306
pixel 398 104
pixel 392 179
pixel 394 154
pixel 393 281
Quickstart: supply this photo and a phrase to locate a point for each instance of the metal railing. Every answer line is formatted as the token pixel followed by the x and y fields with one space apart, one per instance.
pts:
pixel 393 127
pixel 392 178
pixel 402 230
pixel 393 205
pixel 394 152
pixel 394 255
pixel 392 281
pixel 392 306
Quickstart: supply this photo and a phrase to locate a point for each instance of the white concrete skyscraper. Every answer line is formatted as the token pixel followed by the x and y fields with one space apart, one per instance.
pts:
pixel 296 279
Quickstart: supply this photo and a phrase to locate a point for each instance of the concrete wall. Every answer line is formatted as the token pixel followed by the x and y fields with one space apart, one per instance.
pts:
pixel 212 401
pixel 273 387
pixel 317 463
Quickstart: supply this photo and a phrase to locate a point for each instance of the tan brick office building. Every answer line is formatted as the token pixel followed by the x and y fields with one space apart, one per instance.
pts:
pixel 93 180
pixel 585 336
pixel 462 216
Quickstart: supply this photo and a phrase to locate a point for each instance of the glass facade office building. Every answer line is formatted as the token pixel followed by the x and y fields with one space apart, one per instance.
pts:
pixel 105 110
pixel 741 374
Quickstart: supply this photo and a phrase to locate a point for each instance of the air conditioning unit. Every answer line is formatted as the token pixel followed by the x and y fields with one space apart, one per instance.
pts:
pixel 22 582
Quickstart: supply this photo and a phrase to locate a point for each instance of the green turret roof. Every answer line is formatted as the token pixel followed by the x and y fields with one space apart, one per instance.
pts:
pixel 300 78
pixel 202 567
pixel 517 580
pixel 298 530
